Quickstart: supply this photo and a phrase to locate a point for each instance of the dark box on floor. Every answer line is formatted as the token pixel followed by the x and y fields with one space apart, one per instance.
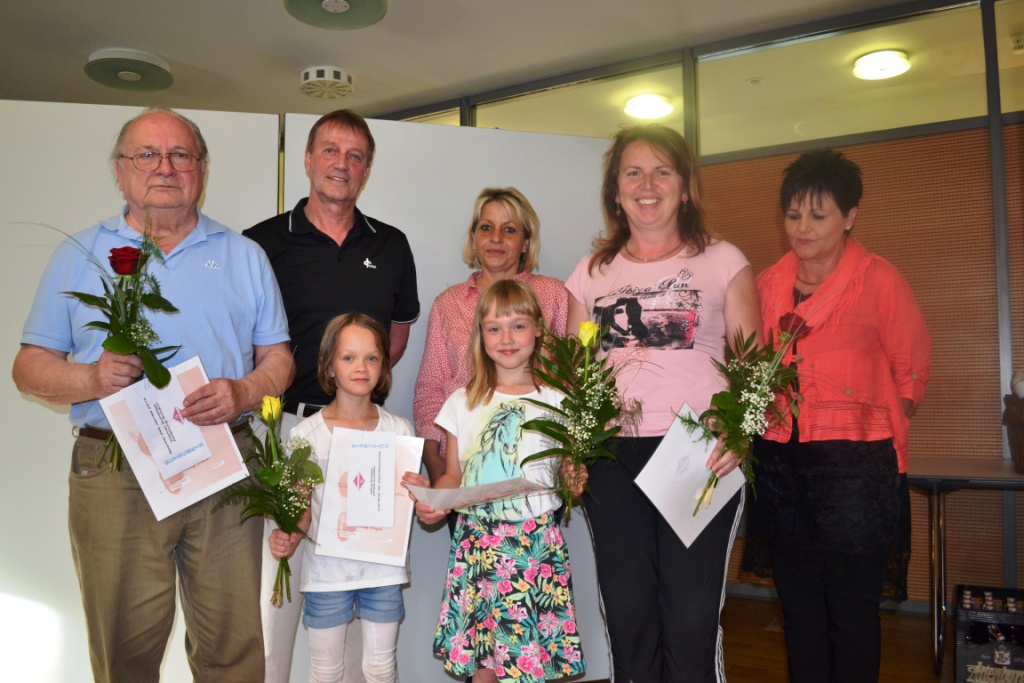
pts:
pixel 989 644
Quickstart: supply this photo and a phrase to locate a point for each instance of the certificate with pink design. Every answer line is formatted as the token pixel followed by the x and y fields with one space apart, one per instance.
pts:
pixel 371 478
pixel 336 535
pixel 148 425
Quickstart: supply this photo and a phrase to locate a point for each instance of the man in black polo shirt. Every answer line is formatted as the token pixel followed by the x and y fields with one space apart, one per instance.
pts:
pixel 329 259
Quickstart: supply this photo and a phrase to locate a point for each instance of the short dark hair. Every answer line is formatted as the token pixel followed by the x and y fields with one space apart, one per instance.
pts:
pixel 329 347
pixel 343 118
pixel 821 173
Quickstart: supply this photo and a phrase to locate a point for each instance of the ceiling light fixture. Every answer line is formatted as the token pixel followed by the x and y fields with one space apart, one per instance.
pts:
pixel 881 64
pixel 648 107
pixel 337 14
pixel 129 69
pixel 325 82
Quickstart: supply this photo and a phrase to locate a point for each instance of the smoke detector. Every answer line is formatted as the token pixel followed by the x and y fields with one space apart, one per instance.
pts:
pixel 325 82
pixel 129 69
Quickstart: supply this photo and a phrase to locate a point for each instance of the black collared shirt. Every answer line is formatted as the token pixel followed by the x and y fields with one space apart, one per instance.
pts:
pixel 372 272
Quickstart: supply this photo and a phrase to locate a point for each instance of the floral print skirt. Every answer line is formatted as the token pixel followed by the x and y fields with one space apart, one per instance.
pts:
pixel 508 601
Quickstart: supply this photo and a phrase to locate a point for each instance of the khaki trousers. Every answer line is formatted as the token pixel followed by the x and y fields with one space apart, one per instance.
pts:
pixel 128 565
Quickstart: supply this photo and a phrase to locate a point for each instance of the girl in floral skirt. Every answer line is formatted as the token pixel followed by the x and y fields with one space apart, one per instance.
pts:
pixel 507 612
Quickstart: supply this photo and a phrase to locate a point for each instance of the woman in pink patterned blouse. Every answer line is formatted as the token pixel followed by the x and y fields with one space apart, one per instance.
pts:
pixel 503 241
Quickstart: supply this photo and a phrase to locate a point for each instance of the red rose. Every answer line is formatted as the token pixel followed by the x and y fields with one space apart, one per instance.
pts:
pixel 125 260
pixel 793 325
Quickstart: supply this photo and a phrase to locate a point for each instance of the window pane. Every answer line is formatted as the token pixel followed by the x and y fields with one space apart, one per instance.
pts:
pixel 448 117
pixel 591 108
pixel 1010 47
pixel 805 89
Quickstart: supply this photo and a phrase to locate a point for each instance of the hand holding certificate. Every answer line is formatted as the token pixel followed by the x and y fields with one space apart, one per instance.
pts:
pixel 675 476
pixel 366 515
pixel 175 443
pixel 176 462
pixel 450 499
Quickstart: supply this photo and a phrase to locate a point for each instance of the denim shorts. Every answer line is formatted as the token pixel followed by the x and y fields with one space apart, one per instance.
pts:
pixel 382 604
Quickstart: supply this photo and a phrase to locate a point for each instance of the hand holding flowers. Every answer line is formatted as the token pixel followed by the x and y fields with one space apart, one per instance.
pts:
pixel 283 487
pixel 754 375
pixel 583 424
pixel 575 476
pixel 126 296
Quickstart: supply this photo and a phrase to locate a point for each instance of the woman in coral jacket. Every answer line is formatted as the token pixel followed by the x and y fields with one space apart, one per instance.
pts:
pixel 831 521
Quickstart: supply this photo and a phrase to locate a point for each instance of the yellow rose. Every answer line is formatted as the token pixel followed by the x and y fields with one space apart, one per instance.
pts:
pixel 588 333
pixel 271 410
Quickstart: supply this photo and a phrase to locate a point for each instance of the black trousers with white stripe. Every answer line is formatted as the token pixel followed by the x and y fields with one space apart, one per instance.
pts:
pixel 662 600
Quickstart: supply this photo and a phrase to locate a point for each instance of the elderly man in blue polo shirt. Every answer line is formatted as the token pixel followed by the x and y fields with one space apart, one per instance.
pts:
pixel 330 259
pixel 127 562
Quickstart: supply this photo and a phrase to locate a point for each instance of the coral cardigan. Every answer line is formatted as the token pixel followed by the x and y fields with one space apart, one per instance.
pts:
pixel 866 348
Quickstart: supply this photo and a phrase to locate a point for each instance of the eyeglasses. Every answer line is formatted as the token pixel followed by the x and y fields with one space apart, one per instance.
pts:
pixel 182 162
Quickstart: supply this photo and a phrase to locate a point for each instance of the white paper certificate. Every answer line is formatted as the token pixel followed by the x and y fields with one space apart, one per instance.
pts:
pixel 175 443
pixel 221 466
pixel 337 537
pixel 450 499
pixel 676 473
pixel 371 476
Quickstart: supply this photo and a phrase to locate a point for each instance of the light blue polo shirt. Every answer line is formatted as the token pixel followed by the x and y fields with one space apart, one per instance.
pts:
pixel 221 283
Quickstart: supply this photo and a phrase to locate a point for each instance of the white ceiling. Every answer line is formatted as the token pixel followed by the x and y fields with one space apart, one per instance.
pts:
pixel 247 55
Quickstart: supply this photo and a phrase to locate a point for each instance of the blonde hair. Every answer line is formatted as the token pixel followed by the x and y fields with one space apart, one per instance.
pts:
pixel 504 297
pixel 329 347
pixel 520 207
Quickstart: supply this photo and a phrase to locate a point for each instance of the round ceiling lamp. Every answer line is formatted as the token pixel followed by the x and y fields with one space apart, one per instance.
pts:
pixel 648 106
pixel 325 82
pixel 337 14
pixel 129 69
pixel 882 64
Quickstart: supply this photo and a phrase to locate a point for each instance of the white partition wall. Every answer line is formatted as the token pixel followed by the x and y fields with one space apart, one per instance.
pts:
pixel 424 181
pixel 54 169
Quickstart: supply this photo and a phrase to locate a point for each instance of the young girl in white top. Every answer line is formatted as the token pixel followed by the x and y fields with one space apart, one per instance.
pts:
pixel 354 367
pixel 508 610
